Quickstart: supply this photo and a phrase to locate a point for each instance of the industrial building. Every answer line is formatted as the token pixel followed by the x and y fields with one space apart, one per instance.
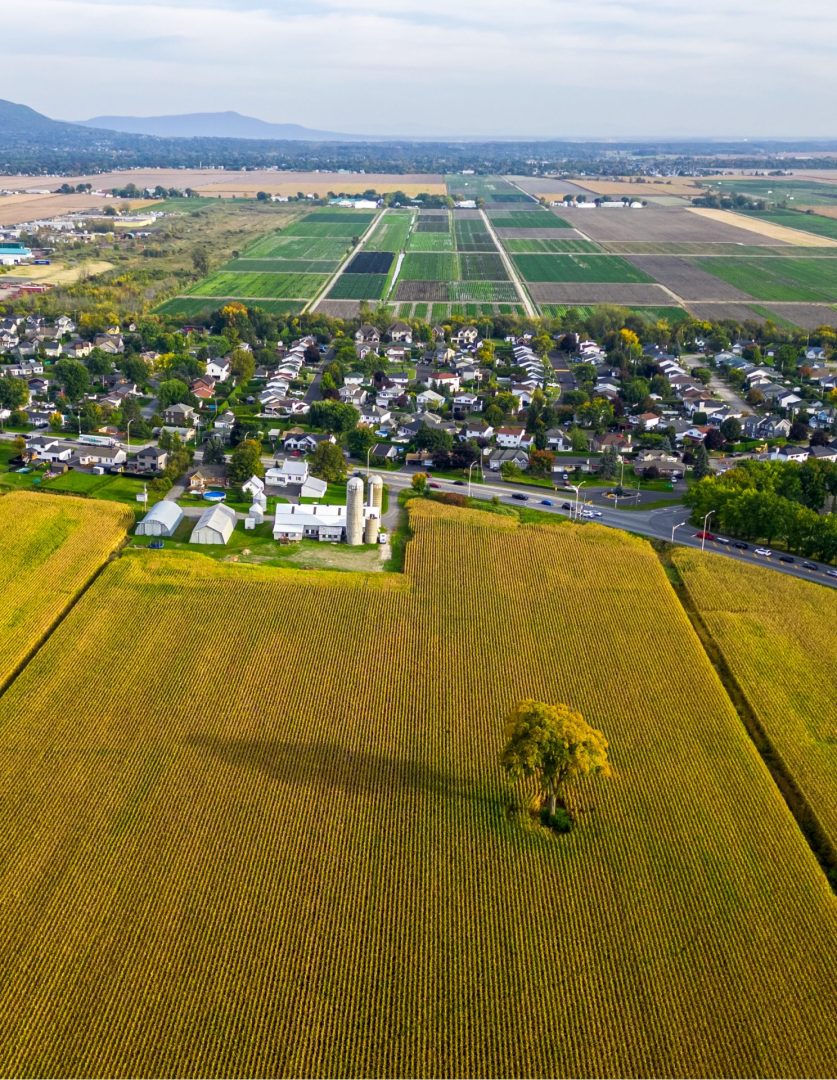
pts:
pixel 161 520
pixel 11 254
pixel 355 523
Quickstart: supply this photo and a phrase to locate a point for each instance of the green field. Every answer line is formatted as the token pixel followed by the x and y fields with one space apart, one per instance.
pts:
pixel 784 278
pixel 777 189
pixel 484 291
pixel 358 287
pixel 261 286
pixel 593 268
pixel 481 266
pixel 480 187
pixel 812 223
pixel 391 232
pixel 550 246
pixel 280 246
pixel 472 235
pixel 188 307
pixel 430 266
pixel 283 266
pixel 527 219
pixel 427 241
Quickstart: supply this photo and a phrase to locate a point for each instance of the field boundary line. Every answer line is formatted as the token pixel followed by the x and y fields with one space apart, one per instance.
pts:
pixel 21 666
pixel 311 305
pixel 511 269
pixel 803 813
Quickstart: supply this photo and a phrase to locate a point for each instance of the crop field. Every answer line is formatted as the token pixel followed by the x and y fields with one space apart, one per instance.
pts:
pixel 482 266
pixel 779 278
pixel 370 262
pixel 391 232
pixel 260 286
pixel 489 188
pixel 778 189
pixel 51 547
pixel 358 287
pixel 447 292
pixel 279 246
pixel 578 268
pixel 549 246
pixel 764 625
pixel 684 247
pixel 527 219
pixel 793 219
pixel 283 266
pixel 426 266
pixel 691 279
pixel 806 316
pixel 433 224
pixel 430 241
pixel 267 879
pixel 472 235
pixel 591 292
pixel 442 312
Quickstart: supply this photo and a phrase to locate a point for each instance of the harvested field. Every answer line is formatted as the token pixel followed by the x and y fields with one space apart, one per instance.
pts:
pixel 642 189
pixel 608 268
pixel 370 262
pixel 549 187
pixel 739 313
pixel 339 309
pixel 662 224
pixel 685 247
pixel 58 274
pixel 229 182
pixel 806 316
pixel 15 209
pixel 687 278
pixel 592 293
pixel 174 907
pixel 766 228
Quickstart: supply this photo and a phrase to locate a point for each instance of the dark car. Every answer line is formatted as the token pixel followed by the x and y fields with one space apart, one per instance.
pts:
pixel 566 506
pixel 785 558
pixel 519 495
pixel 810 566
pixel 742 547
pixel 155 545
pixel 459 483
pixel 434 485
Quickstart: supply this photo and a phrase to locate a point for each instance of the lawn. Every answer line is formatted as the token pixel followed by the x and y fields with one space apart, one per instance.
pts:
pixel 778 278
pixel 235 847
pixel 603 268
pixel 267 286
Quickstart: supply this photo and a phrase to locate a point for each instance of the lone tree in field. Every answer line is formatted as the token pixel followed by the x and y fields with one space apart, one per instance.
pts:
pixel 553 744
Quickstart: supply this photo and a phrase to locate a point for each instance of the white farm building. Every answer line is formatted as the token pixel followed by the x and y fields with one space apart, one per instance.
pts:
pixel 161 520
pixel 214 526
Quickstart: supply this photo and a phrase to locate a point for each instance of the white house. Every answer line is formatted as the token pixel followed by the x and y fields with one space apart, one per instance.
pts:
pixel 219 370
pixel 444 380
pixel 46 449
pixel 107 456
pixel 428 399
pixel 509 438
pixel 291 471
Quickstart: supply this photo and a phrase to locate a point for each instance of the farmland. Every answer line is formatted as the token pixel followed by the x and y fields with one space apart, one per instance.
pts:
pixel 762 625
pixel 792 219
pixel 51 548
pixel 527 219
pixel 779 278
pixel 578 268
pixel 245 879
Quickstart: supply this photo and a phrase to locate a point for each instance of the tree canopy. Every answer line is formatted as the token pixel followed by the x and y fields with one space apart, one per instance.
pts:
pixel 552 744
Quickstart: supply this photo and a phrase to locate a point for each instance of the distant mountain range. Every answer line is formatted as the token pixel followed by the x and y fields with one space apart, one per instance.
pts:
pixel 220 125
pixel 20 120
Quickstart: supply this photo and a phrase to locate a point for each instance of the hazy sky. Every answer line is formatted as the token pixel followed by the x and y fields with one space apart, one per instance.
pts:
pixel 547 67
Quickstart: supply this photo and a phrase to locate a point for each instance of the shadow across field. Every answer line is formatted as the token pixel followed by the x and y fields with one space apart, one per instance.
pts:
pixel 330 766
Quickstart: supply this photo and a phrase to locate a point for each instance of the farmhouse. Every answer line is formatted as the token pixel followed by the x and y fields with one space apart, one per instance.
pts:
pixel 161 520
pixel 215 525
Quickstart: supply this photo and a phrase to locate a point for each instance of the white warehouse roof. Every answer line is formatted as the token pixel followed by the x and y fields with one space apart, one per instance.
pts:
pixel 215 525
pixel 161 520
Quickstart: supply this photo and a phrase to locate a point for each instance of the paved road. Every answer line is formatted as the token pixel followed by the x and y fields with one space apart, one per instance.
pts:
pixel 654 524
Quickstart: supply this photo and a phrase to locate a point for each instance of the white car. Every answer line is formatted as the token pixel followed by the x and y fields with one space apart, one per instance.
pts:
pixel 586 513
pixel 766 552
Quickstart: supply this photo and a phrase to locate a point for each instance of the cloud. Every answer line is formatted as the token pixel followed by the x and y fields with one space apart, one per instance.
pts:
pixel 605 67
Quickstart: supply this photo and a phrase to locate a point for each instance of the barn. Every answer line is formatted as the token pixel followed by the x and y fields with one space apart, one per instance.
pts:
pixel 215 525
pixel 161 520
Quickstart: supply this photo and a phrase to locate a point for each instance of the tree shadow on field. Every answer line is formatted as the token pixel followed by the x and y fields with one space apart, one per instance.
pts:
pixel 330 766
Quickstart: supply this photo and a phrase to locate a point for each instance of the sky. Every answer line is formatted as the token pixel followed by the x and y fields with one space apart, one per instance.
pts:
pixel 575 68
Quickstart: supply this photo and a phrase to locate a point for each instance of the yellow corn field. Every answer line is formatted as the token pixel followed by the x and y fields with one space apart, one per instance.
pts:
pixel 50 548
pixel 778 635
pixel 253 822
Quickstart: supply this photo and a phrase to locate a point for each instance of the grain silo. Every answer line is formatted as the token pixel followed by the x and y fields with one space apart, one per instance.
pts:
pixel 354 511
pixel 370 533
pixel 376 493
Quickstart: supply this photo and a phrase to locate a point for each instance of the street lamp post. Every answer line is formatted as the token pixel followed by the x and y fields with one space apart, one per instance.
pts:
pixel 703 534
pixel 476 461
pixel 577 489
pixel 674 528
pixel 368 452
